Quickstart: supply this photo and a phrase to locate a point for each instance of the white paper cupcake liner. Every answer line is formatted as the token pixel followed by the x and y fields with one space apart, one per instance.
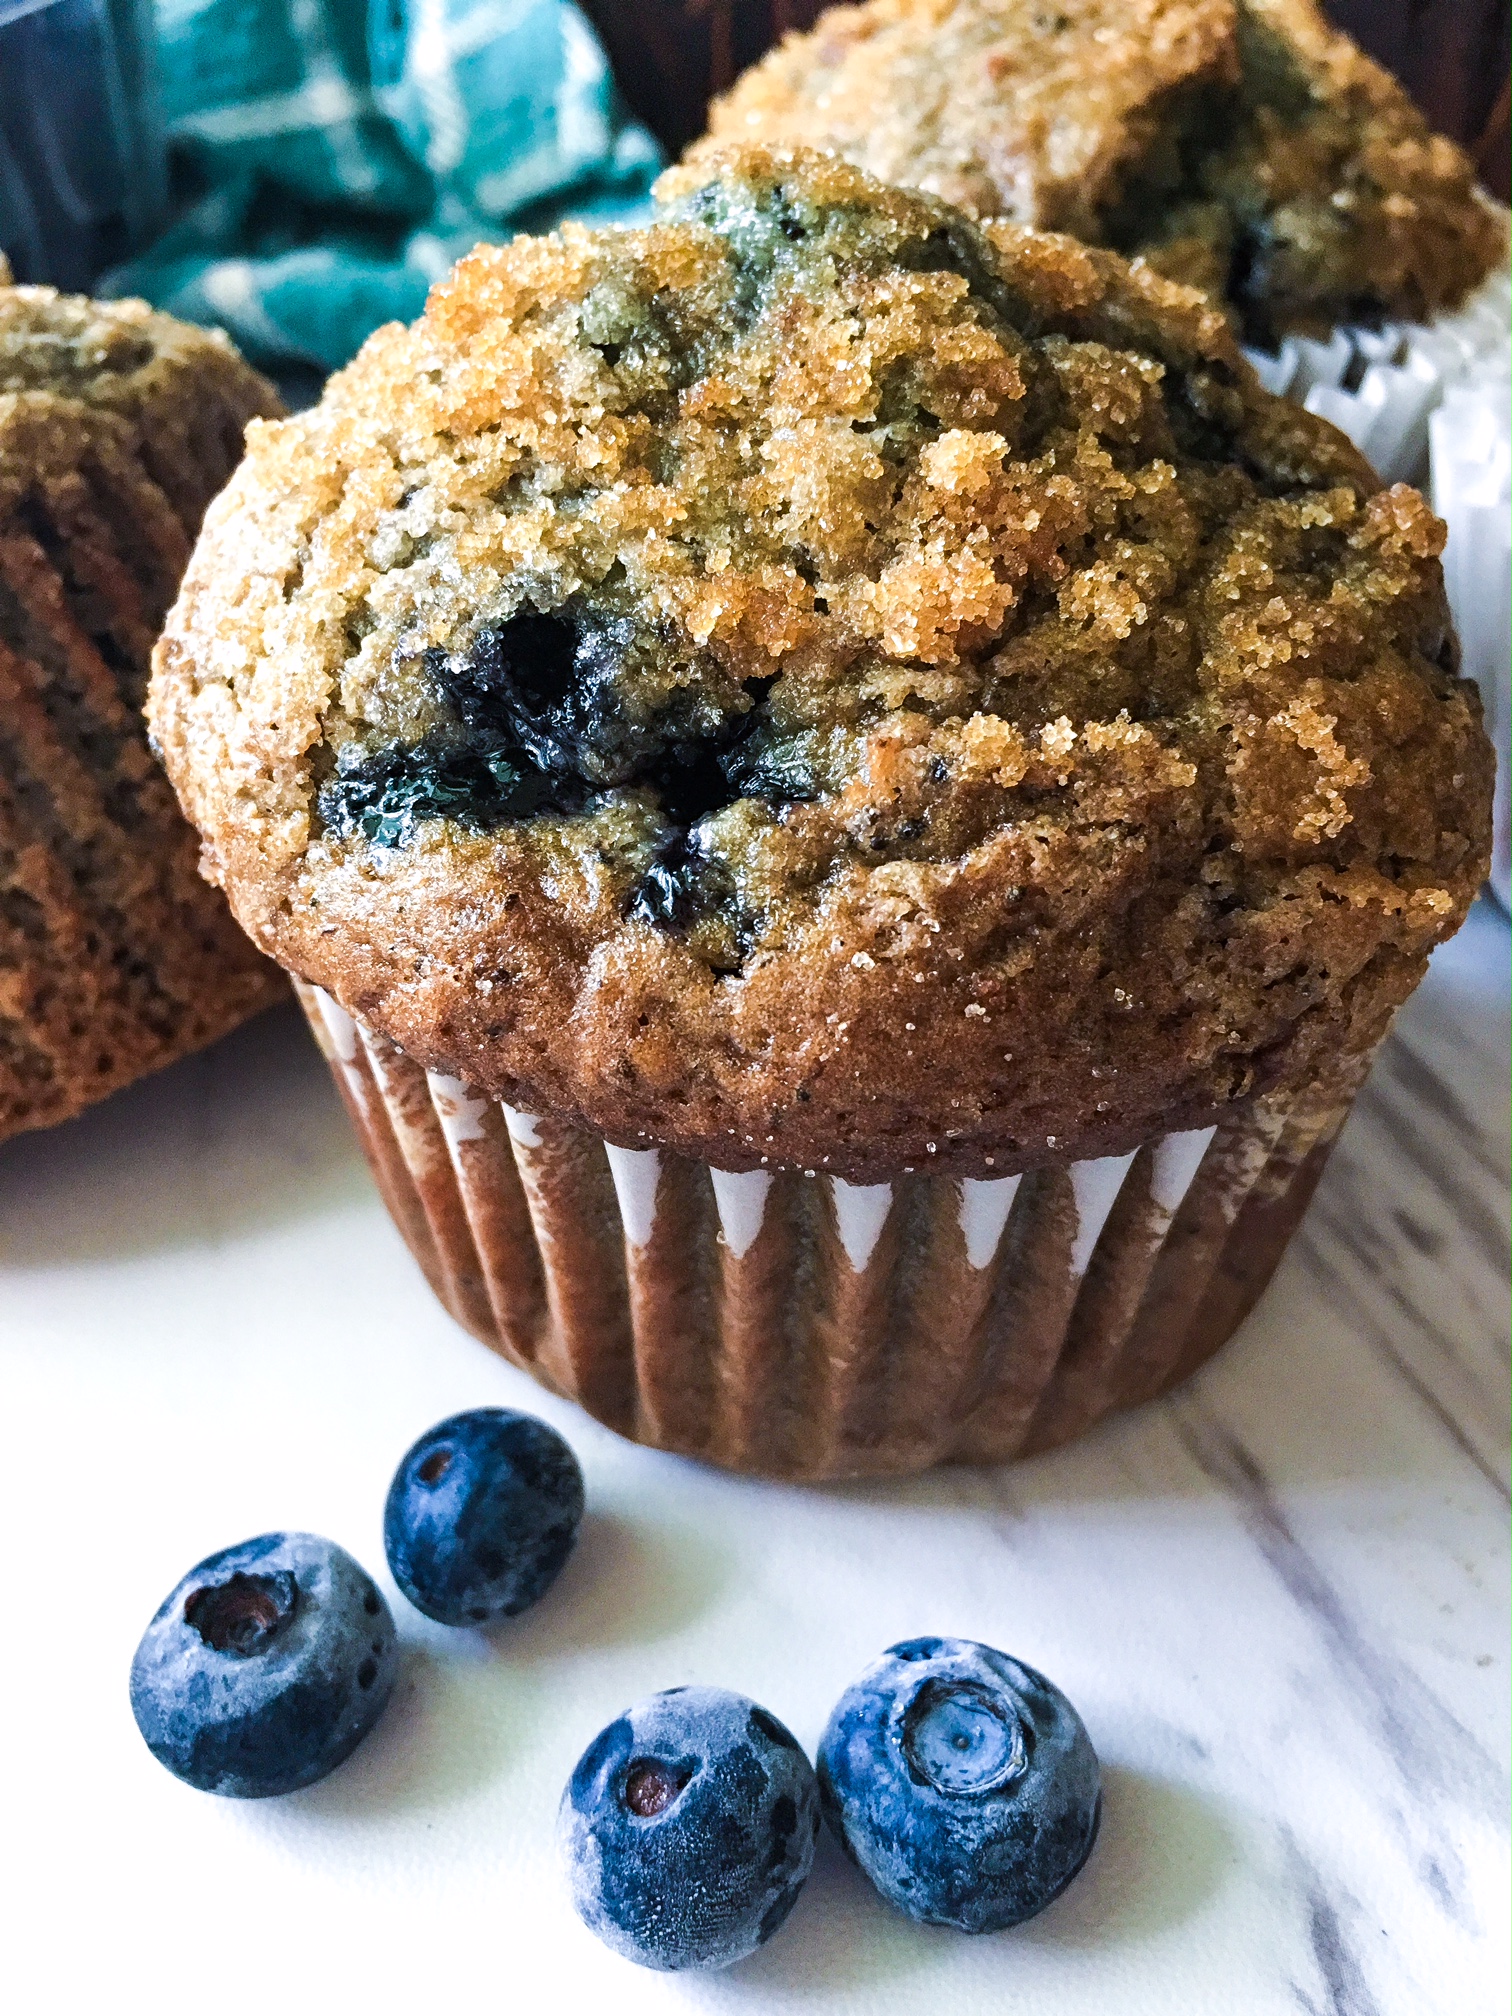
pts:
pixel 1470 452
pixel 1431 404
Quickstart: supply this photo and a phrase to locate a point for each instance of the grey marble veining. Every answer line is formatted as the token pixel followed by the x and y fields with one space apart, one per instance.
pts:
pixel 1278 1596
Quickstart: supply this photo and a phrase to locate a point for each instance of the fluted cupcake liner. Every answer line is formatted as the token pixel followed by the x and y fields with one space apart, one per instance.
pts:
pixel 802 1326
pixel 1380 386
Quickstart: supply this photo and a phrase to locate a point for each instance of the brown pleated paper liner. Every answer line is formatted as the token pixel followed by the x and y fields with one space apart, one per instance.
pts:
pixel 799 1326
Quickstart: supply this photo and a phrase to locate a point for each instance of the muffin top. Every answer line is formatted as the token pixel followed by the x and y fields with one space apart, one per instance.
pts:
pixel 816 682
pixel 1251 150
pixel 80 377
pixel 118 355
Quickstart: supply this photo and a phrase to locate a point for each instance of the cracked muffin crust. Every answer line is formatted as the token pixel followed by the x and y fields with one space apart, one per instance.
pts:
pixel 815 682
pixel 117 426
pixel 1252 150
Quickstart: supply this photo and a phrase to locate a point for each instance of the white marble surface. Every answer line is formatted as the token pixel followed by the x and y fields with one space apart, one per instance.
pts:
pixel 1279 1599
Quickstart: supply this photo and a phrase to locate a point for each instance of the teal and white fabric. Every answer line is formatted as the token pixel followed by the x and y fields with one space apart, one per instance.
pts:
pixel 337 155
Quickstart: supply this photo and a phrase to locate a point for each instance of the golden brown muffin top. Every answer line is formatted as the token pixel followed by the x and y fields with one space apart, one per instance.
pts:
pixel 1251 149
pixel 1012 108
pixel 113 354
pixel 75 373
pixel 815 681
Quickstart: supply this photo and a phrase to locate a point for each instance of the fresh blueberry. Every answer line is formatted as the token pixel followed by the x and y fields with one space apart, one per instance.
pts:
pixel 963 1783
pixel 266 1667
pixel 481 1515
pixel 688 1829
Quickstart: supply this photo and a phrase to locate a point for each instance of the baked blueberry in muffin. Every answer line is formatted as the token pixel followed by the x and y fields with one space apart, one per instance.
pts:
pixel 1249 149
pixel 818 681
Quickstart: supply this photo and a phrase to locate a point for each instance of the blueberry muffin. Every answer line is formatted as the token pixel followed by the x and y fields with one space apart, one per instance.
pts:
pixel 117 427
pixel 1252 150
pixel 816 686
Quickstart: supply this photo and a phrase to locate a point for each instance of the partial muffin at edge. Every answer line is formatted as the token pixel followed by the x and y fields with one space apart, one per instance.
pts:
pixel 117 426
pixel 814 682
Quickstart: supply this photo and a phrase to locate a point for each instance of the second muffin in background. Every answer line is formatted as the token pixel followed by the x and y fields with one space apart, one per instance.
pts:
pixel 117 427
pixel 886 723
pixel 1250 149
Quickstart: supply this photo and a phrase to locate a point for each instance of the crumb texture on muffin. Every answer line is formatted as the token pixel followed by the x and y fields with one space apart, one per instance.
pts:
pixel 814 680
pixel 117 426
pixel 1252 150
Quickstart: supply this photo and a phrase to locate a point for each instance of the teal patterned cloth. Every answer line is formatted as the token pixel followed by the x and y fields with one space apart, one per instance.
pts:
pixel 338 155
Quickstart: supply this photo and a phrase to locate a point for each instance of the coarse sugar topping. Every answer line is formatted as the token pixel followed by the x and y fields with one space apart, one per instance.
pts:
pixel 690 668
